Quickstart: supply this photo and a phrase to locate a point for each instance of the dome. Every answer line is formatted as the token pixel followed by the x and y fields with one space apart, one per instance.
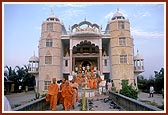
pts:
pixel 138 57
pixel 118 15
pixel 34 59
pixel 52 17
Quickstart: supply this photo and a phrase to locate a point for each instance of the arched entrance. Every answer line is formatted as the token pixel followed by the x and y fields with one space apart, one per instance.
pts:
pixel 85 47
pixel 86 63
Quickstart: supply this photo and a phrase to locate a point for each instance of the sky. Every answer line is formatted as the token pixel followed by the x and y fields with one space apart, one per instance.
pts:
pixel 22 28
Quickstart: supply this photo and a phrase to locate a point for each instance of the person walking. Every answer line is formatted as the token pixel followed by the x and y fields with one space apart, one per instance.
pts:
pixel 61 99
pixel 109 86
pixel 151 91
pixel 67 94
pixel 75 93
pixel 53 92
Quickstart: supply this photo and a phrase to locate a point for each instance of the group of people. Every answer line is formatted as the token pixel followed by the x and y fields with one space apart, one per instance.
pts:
pixel 65 94
pixel 89 79
pixel 86 75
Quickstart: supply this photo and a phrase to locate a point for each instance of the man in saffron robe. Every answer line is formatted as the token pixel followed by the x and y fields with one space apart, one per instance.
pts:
pixel 94 83
pixel 67 93
pixel 91 82
pixel 53 91
pixel 75 93
pixel 61 99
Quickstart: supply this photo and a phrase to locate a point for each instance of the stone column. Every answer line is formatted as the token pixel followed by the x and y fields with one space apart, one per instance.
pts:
pixel 100 61
pixel 70 64
pixel 70 61
pixel 100 57
pixel 73 64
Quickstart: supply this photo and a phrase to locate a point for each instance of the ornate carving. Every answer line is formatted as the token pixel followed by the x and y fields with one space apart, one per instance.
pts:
pixel 90 27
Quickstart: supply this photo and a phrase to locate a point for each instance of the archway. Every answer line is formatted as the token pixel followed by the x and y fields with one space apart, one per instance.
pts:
pixel 85 47
pixel 86 63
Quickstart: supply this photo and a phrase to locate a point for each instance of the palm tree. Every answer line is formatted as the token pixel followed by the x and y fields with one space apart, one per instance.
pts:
pixel 11 75
pixel 20 73
pixel 20 76
pixel 23 75
pixel 8 72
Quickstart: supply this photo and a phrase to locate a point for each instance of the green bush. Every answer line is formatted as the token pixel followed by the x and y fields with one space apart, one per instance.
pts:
pixel 129 90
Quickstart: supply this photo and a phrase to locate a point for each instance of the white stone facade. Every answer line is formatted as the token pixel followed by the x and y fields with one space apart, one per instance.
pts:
pixel 110 52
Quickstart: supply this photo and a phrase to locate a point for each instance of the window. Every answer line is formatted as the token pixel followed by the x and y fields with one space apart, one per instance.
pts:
pixel 48 59
pixel 123 59
pixel 49 42
pixel 66 63
pixel 46 85
pixel 105 62
pixel 121 25
pixel 122 41
pixel 49 27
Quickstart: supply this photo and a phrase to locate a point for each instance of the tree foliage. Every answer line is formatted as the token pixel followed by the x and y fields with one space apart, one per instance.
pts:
pixel 19 75
pixel 157 81
pixel 129 90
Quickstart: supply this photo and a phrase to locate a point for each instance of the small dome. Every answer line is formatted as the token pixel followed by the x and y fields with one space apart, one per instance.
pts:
pixel 52 17
pixel 34 59
pixel 138 57
pixel 118 15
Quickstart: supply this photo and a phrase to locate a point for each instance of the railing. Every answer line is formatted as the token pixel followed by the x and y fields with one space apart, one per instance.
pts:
pixel 33 70
pixel 131 104
pixel 139 68
pixel 36 105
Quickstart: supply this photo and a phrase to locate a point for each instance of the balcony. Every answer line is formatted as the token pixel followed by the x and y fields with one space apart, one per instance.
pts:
pixel 33 70
pixel 139 69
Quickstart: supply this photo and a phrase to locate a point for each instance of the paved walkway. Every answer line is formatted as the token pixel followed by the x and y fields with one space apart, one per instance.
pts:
pixel 24 97
pixel 157 99
pixel 95 104
pixel 20 98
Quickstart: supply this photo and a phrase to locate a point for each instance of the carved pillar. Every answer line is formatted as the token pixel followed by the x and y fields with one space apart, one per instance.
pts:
pixel 100 56
pixel 73 63
pixel 70 63
pixel 100 61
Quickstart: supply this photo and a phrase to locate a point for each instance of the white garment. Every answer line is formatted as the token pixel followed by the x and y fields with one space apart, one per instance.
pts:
pixel 7 106
pixel 100 90
pixel 109 86
pixel 151 89
pixel 20 87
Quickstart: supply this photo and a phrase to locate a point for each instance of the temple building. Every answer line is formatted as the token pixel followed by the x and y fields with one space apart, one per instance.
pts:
pixel 85 46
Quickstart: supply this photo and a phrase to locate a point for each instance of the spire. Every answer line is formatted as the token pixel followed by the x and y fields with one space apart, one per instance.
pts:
pixel 52 12
pixel 34 53
pixel 118 15
pixel 117 9
pixel 137 51
pixel 52 16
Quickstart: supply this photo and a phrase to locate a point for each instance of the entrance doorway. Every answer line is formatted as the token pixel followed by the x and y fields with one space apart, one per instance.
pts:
pixel 85 63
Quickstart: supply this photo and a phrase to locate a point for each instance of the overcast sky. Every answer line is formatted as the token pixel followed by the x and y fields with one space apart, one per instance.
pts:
pixel 22 28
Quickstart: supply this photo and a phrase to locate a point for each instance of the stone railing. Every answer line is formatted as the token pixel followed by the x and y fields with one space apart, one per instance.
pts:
pixel 131 104
pixel 36 105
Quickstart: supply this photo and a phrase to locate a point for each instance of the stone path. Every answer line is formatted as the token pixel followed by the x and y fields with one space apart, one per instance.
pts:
pixel 98 101
pixel 156 100
pixel 20 98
